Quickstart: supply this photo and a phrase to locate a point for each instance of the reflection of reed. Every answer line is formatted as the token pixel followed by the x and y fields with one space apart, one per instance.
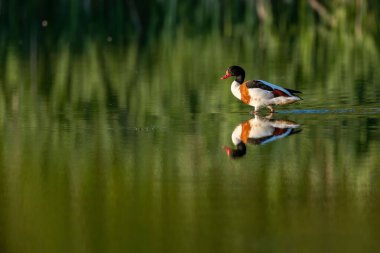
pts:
pixel 75 176
pixel 105 76
pixel 86 163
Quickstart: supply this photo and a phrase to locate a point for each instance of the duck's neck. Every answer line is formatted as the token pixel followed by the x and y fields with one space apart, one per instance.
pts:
pixel 240 78
pixel 240 150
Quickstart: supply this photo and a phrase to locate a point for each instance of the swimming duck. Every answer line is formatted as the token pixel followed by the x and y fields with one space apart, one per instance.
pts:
pixel 259 131
pixel 259 93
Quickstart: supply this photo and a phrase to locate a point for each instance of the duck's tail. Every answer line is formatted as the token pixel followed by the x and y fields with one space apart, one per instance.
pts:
pixel 285 100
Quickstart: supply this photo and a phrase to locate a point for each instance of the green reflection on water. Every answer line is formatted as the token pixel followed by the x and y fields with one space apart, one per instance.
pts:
pixel 93 186
pixel 333 70
pixel 119 148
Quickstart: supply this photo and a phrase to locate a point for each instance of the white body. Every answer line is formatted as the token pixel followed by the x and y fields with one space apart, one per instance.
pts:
pixel 262 98
pixel 261 127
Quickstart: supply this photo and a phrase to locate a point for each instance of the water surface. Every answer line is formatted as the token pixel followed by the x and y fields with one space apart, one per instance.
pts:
pixel 120 148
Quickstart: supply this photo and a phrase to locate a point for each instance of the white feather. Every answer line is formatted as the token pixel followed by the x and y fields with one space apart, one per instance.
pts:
pixel 236 135
pixel 235 89
pixel 261 98
pixel 261 127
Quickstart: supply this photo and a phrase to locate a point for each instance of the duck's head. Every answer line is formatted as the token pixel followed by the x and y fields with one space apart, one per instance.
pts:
pixel 236 71
pixel 236 153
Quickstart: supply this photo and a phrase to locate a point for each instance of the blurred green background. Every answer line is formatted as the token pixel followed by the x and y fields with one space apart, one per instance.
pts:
pixel 112 119
pixel 76 53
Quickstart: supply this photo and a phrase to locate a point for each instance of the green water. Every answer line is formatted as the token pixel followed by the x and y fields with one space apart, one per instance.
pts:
pixel 110 146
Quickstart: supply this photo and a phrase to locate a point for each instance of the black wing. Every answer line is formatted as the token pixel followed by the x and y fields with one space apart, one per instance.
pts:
pixel 293 91
pixel 258 84
pixel 259 141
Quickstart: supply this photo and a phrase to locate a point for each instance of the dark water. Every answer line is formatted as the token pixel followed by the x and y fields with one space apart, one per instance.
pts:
pixel 120 148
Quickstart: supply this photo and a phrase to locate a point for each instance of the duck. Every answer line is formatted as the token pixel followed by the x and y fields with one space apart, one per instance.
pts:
pixel 259 131
pixel 259 93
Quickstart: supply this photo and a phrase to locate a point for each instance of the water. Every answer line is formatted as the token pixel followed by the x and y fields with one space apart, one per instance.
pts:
pixel 120 148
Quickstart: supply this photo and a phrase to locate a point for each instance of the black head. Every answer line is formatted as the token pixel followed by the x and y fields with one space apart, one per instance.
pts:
pixel 238 152
pixel 235 71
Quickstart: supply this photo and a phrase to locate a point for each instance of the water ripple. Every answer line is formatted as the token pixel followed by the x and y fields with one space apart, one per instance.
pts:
pixel 332 111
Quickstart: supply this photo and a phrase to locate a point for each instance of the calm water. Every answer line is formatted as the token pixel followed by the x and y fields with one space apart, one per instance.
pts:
pixel 120 149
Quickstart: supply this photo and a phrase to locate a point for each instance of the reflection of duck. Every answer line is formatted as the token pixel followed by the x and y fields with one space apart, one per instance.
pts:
pixel 259 93
pixel 258 131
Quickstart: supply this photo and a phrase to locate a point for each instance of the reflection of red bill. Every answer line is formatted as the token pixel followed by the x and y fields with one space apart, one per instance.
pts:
pixel 228 150
pixel 228 74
